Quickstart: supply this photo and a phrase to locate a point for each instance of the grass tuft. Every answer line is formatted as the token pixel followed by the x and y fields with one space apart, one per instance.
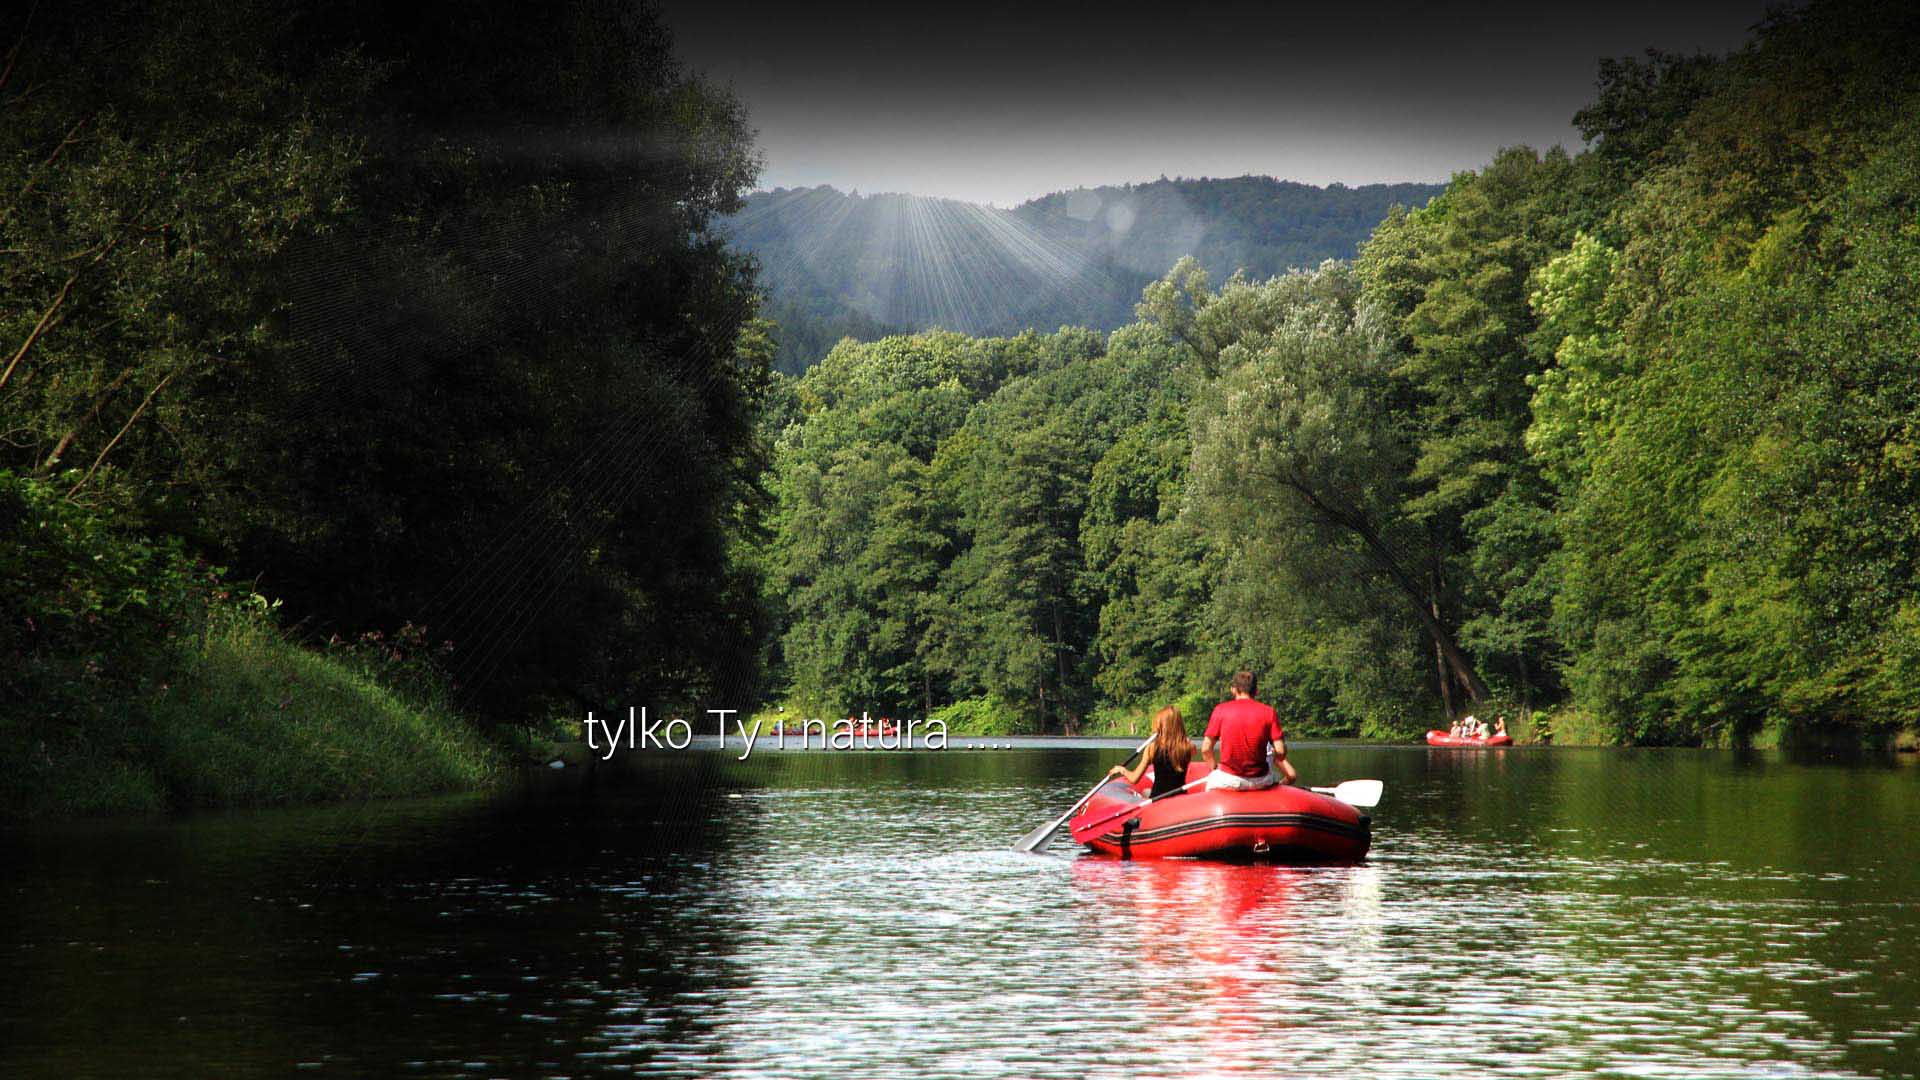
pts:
pixel 247 718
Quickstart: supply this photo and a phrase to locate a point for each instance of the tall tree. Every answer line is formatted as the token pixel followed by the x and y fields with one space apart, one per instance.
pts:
pixel 410 313
pixel 1452 281
pixel 1300 445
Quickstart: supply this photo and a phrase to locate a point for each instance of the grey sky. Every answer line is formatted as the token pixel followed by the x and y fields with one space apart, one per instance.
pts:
pixel 999 102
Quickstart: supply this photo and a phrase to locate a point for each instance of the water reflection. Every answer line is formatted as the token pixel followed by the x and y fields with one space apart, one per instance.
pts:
pixel 1211 953
pixel 824 915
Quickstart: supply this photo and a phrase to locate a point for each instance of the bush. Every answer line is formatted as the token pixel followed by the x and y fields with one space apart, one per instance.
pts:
pixel 136 680
pixel 979 716
pixel 88 607
pixel 254 719
pixel 1117 720
pixel 88 617
pixel 1572 727
pixel 1525 727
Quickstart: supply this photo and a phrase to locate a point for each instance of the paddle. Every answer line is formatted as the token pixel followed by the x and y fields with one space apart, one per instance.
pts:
pixel 1038 838
pixel 1364 794
pixel 1137 807
pixel 1357 793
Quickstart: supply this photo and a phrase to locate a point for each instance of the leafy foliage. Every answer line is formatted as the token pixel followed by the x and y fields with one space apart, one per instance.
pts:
pixel 1625 437
pixel 1728 419
pixel 410 314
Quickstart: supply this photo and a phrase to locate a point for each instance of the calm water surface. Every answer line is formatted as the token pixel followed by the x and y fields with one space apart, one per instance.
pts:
pixel 1524 913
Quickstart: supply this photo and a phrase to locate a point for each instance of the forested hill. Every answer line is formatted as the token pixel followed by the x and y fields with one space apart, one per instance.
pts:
pixel 1257 223
pixel 838 265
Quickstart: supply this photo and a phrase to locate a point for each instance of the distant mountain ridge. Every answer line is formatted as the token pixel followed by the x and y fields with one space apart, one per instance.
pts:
pixel 848 265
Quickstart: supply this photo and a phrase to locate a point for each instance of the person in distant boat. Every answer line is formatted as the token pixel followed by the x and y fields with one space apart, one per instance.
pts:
pixel 1253 753
pixel 1454 731
pixel 1500 725
pixel 1168 753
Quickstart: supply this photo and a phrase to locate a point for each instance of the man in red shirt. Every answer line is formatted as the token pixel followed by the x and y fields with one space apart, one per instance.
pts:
pixel 1253 755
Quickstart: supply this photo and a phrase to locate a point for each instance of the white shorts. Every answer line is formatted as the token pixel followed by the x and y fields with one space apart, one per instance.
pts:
pixel 1222 780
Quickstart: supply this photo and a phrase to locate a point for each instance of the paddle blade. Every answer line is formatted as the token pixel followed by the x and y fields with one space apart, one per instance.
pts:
pixel 1038 838
pixel 1364 794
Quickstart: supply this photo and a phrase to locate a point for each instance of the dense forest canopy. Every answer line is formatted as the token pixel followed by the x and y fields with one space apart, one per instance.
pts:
pixel 402 316
pixel 1622 440
pixel 839 265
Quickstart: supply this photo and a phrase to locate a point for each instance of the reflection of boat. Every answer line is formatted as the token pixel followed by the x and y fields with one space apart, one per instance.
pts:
pixel 1226 957
pixel 1282 824
pixel 1219 907
pixel 1441 738
pixel 1228 937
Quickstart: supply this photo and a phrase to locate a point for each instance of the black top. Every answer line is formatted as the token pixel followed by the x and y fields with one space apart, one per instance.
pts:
pixel 1167 776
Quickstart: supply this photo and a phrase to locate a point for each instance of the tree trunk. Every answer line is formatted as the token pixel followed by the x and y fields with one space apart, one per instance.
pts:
pixel 40 328
pixel 60 448
pixel 1450 650
pixel 47 319
pixel 1060 662
pixel 1429 616
pixel 1526 689
pixel 1418 597
pixel 1440 657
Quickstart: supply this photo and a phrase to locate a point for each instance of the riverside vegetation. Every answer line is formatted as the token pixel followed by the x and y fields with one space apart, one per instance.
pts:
pixel 401 317
pixel 1623 441
pixel 329 325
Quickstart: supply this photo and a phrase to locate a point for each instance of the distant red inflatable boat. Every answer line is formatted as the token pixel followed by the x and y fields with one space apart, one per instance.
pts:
pixel 1441 738
pixel 1280 824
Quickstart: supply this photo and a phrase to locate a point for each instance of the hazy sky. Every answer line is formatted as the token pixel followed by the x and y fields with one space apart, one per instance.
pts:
pixel 999 102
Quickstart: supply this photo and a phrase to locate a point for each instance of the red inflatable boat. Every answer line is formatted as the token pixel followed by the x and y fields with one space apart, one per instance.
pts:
pixel 1441 738
pixel 1281 824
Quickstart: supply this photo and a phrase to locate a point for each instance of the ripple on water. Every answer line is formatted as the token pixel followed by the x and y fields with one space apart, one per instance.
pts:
pixel 868 919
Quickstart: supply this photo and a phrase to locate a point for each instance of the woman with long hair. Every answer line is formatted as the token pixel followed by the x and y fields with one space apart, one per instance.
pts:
pixel 1169 753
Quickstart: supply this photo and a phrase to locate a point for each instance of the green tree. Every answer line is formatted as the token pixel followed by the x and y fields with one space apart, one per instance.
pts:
pixel 1721 429
pixel 1452 280
pixel 1300 464
pixel 410 315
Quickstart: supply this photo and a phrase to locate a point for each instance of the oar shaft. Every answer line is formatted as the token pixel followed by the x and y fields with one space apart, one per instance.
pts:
pixel 1139 806
pixel 1032 841
pixel 1095 789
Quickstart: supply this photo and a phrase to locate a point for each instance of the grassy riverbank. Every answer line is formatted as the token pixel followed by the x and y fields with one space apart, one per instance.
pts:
pixel 137 679
pixel 246 718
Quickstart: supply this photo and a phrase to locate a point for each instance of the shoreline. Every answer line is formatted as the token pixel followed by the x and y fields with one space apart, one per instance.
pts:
pixel 502 765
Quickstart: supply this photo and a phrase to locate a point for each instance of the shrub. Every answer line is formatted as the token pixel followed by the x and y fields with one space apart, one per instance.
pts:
pixel 979 716
pixel 135 680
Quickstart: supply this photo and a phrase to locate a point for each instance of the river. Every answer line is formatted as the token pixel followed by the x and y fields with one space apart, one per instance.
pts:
pixel 1526 912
